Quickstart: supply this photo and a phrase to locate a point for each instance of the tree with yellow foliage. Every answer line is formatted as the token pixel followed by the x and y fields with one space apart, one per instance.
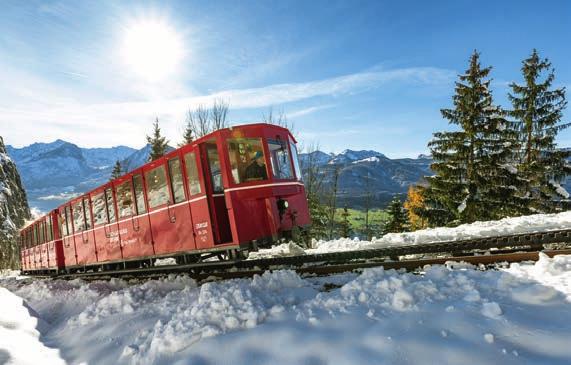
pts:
pixel 414 204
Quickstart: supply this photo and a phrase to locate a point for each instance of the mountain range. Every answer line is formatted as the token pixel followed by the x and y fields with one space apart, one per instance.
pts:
pixel 54 172
pixel 384 176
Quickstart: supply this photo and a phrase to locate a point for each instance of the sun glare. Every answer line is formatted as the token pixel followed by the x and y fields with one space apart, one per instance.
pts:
pixel 151 49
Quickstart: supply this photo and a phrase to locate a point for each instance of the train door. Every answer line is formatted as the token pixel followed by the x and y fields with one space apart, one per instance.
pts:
pixel 70 257
pixel 198 202
pixel 134 226
pixel 170 218
pixel 105 231
pixel 215 193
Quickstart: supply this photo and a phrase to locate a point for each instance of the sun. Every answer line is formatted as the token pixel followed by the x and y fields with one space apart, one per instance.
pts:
pixel 151 49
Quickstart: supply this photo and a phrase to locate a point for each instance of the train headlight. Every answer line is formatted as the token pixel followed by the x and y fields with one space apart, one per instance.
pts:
pixel 282 206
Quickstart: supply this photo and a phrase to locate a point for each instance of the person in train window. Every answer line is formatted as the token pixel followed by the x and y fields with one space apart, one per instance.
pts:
pixel 257 168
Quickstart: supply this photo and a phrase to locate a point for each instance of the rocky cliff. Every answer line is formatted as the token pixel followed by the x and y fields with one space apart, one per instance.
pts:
pixel 14 210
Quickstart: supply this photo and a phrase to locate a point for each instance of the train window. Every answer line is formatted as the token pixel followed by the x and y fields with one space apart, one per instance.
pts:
pixel 192 173
pixel 87 210
pixel 78 217
pixel 177 185
pixel 295 159
pixel 139 196
pixel 110 205
pixel 214 166
pixel 247 160
pixel 68 220
pixel 48 229
pixel 41 234
pixel 99 212
pixel 157 191
pixel 281 162
pixel 35 240
pixel 124 196
pixel 62 224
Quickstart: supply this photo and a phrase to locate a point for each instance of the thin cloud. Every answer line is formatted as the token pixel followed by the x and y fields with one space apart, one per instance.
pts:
pixel 306 111
pixel 126 122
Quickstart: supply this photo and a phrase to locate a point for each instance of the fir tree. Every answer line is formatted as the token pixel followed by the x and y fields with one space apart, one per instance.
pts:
pixel 319 216
pixel 188 135
pixel 117 170
pixel 475 174
pixel 537 111
pixel 398 220
pixel 158 143
pixel 345 229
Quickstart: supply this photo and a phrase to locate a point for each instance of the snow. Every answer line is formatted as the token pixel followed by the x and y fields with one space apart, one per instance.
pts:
pixel 560 189
pixel 450 314
pixel 510 168
pixel 20 334
pixel 506 226
pixel 368 159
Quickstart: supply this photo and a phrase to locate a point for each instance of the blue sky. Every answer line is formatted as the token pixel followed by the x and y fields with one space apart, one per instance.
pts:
pixel 348 74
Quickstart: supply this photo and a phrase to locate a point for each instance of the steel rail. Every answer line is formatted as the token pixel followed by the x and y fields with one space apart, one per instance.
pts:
pixel 452 249
pixel 329 269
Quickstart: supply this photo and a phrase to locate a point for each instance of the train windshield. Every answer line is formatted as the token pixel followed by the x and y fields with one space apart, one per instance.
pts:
pixel 295 159
pixel 247 160
pixel 281 161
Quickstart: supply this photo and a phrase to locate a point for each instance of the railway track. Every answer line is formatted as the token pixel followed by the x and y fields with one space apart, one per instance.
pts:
pixel 509 248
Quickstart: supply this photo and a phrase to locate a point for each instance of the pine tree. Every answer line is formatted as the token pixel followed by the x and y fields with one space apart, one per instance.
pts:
pixel 537 111
pixel 117 170
pixel 158 143
pixel 398 219
pixel 414 205
pixel 475 174
pixel 188 135
pixel 319 216
pixel 345 229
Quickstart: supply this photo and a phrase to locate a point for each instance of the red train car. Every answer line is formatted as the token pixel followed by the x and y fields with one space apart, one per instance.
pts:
pixel 222 195
pixel 40 245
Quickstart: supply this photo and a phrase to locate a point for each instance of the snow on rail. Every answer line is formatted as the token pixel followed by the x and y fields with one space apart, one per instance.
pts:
pixel 506 226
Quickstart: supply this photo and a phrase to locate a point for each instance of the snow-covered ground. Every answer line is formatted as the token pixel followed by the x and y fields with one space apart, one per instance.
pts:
pixel 451 314
pixel 506 226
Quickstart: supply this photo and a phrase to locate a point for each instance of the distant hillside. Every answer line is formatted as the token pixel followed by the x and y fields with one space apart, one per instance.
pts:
pixel 387 176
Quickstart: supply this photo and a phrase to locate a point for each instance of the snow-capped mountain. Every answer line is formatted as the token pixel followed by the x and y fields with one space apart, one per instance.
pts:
pixel 387 177
pixel 105 157
pixel 54 172
pixel 349 156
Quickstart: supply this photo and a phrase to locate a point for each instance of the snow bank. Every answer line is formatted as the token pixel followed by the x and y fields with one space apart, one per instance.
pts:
pixel 506 226
pixel 19 338
pixel 449 314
